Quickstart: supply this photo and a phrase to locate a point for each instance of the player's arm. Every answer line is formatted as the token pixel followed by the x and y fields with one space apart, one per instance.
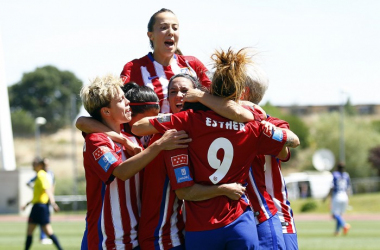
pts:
pixel 198 192
pixel 49 192
pixel 170 140
pixel 144 127
pixel 226 108
pixel 292 139
pixel 91 125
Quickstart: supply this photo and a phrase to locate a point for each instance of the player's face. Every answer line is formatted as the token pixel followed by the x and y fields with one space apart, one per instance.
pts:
pixel 165 34
pixel 120 110
pixel 177 90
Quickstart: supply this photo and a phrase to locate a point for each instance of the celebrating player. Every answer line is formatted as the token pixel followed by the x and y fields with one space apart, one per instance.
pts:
pixel 112 179
pixel 161 224
pixel 221 152
pixel 266 189
pixel 155 69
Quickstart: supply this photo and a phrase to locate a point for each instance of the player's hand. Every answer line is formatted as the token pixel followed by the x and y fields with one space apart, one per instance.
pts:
pixel 268 127
pixel 55 207
pixel 193 95
pixel 233 190
pixel 173 139
pixel 132 149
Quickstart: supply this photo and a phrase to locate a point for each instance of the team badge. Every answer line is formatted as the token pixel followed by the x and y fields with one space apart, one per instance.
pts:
pixel 99 152
pixel 182 174
pixel 124 79
pixel 268 133
pixel 163 118
pixel 179 160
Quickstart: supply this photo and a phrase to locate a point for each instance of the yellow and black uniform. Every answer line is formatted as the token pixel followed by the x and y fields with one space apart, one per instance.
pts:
pixel 40 213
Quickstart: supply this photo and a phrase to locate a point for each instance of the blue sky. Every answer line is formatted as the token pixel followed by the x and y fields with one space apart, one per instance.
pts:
pixel 311 50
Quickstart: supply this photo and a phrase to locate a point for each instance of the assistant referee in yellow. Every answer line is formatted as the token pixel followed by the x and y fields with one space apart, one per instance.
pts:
pixel 40 214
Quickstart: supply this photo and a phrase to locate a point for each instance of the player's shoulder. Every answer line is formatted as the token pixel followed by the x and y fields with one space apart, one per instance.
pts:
pixel 190 59
pixel 137 62
pixel 96 137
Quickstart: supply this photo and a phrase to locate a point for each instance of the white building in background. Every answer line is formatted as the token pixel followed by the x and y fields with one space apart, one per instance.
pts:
pixel 7 154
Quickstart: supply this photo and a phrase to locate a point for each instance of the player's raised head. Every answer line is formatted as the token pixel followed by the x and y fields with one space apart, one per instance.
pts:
pixel 99 93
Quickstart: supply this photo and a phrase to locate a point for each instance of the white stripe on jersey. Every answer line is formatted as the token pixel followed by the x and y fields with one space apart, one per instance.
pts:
pixel 102 224
pixel 262 207
pixel 145 76
pixel 137 179
pixel 268 175
pixel 116 214
pixel 133 220
pixel 173 225
pixel 167 195
pixel 269 182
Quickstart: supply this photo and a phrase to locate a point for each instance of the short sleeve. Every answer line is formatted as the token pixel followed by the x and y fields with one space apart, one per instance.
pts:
pixel 125 74
pixel 202 73
pixel 177 167
pixel 100 156
pixel 177 121
pixel 271 143
pixel 42 176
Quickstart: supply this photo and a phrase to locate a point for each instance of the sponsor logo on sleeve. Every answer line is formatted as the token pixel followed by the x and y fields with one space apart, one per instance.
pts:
pixel 107 160
pixel 100 151
pixel 179 160
pixel 163 118
pixel 182 174
pixel 278 135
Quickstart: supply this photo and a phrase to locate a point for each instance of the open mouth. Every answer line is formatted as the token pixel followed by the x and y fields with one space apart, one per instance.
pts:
pixel 169 43
pixel 179 105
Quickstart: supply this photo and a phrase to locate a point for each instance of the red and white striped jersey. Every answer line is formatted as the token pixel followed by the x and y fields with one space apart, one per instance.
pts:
pixel 161 225
pixel 112 204
pixel 146 71
pixel 221 151
pixel 276 187
pixel 266 188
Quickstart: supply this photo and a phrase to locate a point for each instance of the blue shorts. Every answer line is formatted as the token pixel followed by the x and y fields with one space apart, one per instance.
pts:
pixel 240 234
pixel 270 234
pixel 291 241
pixel 40 214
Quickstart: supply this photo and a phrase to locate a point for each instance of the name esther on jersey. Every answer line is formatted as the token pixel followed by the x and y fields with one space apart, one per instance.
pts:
pixel 231 125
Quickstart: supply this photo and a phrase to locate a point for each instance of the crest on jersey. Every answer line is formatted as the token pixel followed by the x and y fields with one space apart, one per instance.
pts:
pixel 100 151
pixel 179 160
pixel 124 79
pixel 267 133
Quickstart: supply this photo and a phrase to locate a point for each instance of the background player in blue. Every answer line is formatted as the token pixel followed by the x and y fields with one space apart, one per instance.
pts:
pixel 340 188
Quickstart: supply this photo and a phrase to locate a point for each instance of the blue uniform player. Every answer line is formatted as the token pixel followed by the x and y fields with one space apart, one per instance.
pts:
pixel 339 197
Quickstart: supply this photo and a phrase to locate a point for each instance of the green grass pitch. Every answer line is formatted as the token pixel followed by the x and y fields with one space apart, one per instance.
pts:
pixel 311 235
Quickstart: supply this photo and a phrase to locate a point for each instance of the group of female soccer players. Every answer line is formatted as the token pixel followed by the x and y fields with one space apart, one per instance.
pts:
pixel 209 174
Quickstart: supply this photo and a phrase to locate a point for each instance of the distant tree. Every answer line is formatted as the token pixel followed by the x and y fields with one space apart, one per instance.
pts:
pixel 376 125
pixel 374 158
pixel 325 133
pixel 349 108
pixel 45 92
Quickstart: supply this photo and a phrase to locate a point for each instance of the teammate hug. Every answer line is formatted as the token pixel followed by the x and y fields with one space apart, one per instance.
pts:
pixel 207 177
